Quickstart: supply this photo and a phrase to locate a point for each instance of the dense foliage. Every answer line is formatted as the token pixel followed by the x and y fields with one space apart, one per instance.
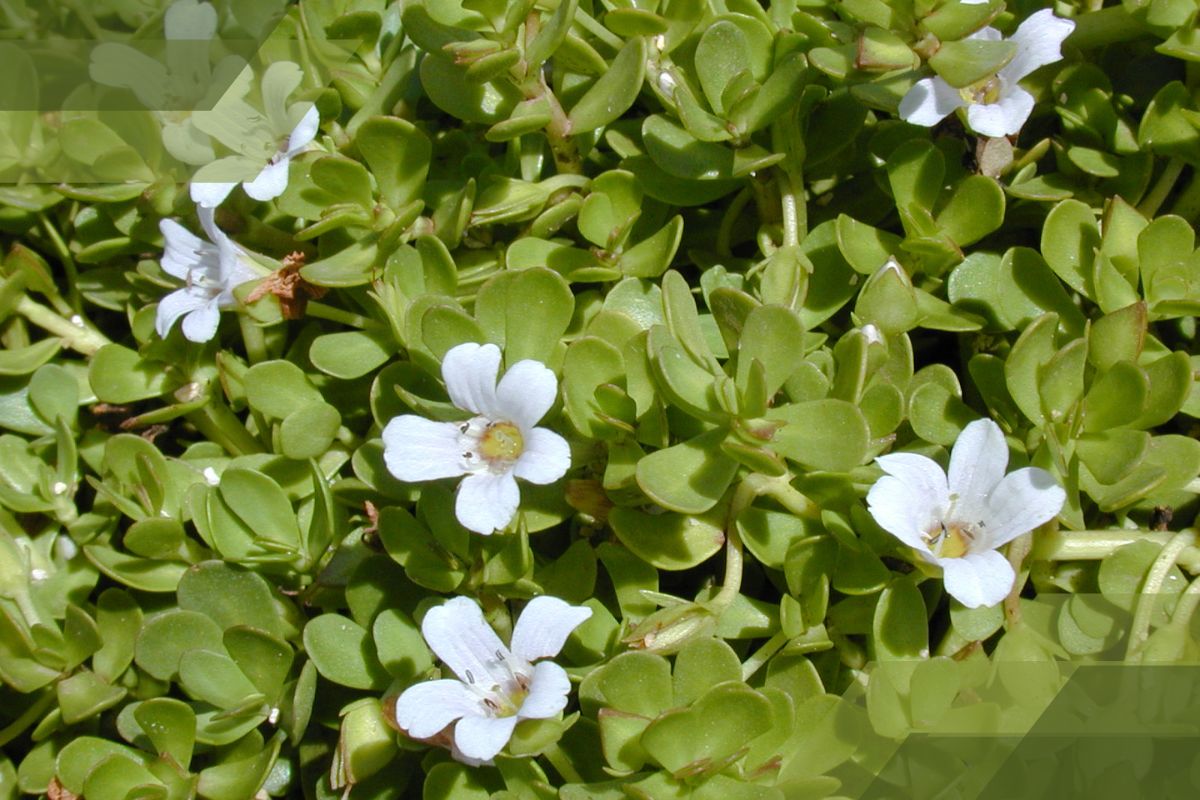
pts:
pixel 708 225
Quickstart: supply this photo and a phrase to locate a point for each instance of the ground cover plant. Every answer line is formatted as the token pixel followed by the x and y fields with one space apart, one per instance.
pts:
pixel 597 398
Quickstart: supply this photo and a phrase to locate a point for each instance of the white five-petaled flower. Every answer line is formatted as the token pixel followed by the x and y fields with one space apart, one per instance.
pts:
pixel 496 686
pixel 997 106
pixel 272 179
pixel 958 520
pixel 493 448
pixel 210 271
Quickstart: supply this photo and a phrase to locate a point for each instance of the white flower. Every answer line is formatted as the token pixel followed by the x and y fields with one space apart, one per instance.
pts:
pixel 958 521
pixel 497 686
pixel 272 179
pixel 210 270
pixel 493 448
pixel 997 106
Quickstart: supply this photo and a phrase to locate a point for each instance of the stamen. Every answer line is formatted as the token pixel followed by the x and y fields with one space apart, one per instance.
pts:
pixel 470 678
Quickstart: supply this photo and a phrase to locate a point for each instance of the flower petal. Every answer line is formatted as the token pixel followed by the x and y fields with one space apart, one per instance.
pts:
pixel 458 634
pixel 910 499
pixel 544 626
pixel 1022 501
pixel 487 502
pixel 469 370
pixel 987 33
pixel 978 579
pixel 183 250
pixel 189 19
pixel 929 101
pixel 976 465
pixel 483 737
pixel 201 324
pixel 210 195
pixel 271 181
pixel 418 449
pixel 304 132
pixel 175 305
pixel 1039 42
pixel 546 457
pixel 526 393
pixel 1003 117
pixel 426 708
pixel 547 692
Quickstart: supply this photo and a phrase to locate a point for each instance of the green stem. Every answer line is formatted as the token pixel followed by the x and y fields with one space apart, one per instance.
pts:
pixel 28 716
pixel 1186 605
pixel 562 764
pixel 77 337
pixel 763 654
pixel 1162 187
pixel 221 425
pixel 1017 550
pixel 1148 597
pixel 68 261
pixel 1187 204
pixel 1096 545
pixel 334 314
pixel 729 219
pixel 792 499
pixel 253 339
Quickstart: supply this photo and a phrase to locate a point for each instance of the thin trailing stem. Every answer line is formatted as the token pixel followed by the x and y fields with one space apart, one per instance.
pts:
pixel 1096 545
pixel 1148 597
pixel 763 654
pixel 76 336
pixel 1161 188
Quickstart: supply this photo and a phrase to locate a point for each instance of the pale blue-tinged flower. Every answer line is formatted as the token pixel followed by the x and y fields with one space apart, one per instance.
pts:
pixel 209 269
pixel 997 106
pixel 495 686
pixel 958 520
pixel 272 180
pixel 493 448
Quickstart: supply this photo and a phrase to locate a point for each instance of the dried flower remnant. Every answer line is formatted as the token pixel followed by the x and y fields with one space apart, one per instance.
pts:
pixel 958 520
pixel 289 287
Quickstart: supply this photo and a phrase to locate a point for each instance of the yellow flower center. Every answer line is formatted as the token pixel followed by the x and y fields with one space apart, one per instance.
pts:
pixel 950 541
pixel 501 442
pixel 986 91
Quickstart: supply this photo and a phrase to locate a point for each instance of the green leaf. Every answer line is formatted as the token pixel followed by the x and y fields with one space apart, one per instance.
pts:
pixel 167 636
pixel 821 434
pixel 118 375
pixel 277 388
pixel 722 721
pixel 309 431
pixel 343 653
pixel 689 477
pixel 351 354
pixel 1070 238
pixel 668 541
pixel 614 92
pixel 525 312
pixel 900 627
pixel 968 61
pixel 170 725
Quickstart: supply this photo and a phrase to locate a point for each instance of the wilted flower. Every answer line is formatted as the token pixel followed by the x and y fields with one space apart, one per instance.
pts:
pixel 493 448
pixel 997 106
pixel 496 686
pixel 210 271
pixel 957 521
